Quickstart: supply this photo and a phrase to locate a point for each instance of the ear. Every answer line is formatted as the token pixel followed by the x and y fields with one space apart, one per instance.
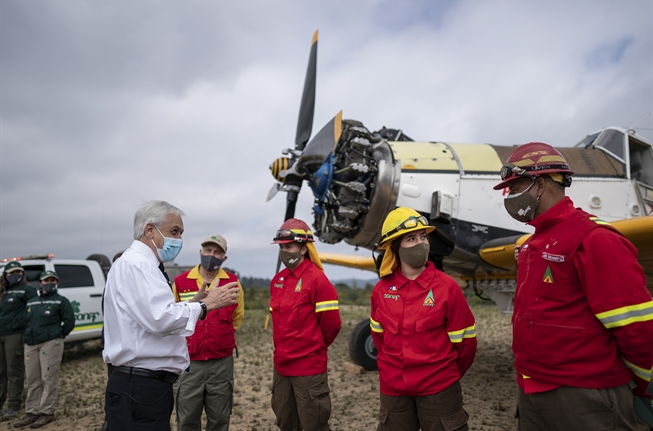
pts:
pixel 149 230
pixel 304 249
pixel 224 259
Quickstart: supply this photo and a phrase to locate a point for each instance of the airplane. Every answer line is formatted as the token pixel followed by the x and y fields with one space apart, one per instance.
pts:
pixel 358 176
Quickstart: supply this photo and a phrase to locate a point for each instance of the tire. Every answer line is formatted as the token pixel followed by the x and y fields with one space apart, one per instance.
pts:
pixel 361 346
pixel 104 262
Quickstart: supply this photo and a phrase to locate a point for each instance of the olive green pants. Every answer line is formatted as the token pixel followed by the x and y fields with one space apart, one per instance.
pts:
pixel 207 385
pixel 301 403
pixel 12 370
pixel 42 370
pixel 578 409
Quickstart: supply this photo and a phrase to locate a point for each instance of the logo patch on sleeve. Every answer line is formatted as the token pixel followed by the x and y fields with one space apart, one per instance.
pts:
pixel 548 277
pixel 428 301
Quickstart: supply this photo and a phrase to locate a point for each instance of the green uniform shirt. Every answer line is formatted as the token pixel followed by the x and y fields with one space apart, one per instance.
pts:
pixel 12 308
pixel 48 317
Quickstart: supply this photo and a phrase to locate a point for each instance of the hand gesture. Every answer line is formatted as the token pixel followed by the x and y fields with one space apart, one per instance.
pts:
pixel 201 294
pixel 223 296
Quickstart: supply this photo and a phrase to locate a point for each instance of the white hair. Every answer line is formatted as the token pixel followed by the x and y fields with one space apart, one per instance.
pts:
pixel 154 212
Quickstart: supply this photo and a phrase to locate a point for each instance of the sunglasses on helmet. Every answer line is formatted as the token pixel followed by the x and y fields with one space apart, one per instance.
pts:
pixel 411 222
pixel 509 168
pixel 289 235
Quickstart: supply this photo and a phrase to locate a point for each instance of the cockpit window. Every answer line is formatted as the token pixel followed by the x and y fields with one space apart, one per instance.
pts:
pixel 589 139
pixel 613 141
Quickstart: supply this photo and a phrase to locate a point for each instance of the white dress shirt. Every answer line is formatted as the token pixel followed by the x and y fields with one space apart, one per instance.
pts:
pixel 143 325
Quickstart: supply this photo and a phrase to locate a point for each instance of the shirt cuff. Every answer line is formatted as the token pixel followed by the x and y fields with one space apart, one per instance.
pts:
pixel 195 312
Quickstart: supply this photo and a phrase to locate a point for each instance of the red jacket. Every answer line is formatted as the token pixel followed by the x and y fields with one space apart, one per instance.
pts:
pixel 424 332
pixel 214 336
pixel 304 309
pixel 582 316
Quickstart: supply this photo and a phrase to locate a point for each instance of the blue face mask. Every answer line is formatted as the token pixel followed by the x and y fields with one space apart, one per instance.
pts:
pixel 171 247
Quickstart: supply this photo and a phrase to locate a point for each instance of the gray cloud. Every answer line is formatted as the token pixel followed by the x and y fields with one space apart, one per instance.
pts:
pixel 105 105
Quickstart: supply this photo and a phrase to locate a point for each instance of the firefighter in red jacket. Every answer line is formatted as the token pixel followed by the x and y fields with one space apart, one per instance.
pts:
pixel 306 320
pixel 208 384
pixel 423 329
pixel 583 319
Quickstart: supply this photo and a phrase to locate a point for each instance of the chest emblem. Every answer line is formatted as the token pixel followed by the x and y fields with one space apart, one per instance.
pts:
pixel 548 277
pixel 428 301
pixel 552 257
pixel 393 288
pixel 47 312
pixel 298 288
pixel 10 299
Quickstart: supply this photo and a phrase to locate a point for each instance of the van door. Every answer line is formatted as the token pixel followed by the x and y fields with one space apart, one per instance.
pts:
pixel 84 291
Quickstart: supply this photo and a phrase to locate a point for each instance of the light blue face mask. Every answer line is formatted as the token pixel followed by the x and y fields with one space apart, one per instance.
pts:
pixel 171 247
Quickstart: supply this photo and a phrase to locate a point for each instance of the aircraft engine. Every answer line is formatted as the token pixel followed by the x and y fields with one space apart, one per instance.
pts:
pixel 354 187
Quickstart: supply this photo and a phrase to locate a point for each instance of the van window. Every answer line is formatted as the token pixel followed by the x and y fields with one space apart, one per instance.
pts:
pixel 74 276
pixel 33 273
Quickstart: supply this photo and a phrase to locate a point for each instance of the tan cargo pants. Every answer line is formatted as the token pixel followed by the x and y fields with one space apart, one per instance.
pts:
pixel 42 368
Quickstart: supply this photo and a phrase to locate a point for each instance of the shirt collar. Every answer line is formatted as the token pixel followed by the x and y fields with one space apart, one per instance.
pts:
pixel 297 272
pixel 554 215
pixel 142 249
pixel 423 280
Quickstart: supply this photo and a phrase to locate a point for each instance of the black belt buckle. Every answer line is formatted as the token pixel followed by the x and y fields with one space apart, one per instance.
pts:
pixel 170 377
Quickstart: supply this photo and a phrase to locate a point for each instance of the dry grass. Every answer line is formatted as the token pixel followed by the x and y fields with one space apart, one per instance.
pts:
pixel 489 388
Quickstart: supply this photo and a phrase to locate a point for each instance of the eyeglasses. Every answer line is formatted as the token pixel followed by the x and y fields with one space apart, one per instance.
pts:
pixel 289 235
pixel 509 168
pixel 411 222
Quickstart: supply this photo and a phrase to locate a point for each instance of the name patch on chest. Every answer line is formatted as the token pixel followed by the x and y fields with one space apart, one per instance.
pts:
pixel 552 257
pixel 278 285
pixel 388 296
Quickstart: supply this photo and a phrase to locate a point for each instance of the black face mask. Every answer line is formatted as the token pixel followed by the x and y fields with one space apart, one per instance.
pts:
pixel 211 263
pixel 14 278
pixel 48 288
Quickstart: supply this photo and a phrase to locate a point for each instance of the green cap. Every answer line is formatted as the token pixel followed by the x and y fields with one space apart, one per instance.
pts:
pixel 46 274
pixel 12 266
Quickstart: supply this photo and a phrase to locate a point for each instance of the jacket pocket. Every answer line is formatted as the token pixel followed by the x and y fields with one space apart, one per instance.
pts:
pixel 429 330
pixel 321 404
pixel 391 338
pixel 457 421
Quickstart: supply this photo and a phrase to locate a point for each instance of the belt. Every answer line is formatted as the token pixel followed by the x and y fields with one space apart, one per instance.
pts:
pixel 164 376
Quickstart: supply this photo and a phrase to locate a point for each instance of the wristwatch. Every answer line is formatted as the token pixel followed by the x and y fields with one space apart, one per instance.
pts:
pixel 205 311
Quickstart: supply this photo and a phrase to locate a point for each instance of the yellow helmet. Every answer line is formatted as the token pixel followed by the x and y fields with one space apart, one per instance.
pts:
pixel 400 221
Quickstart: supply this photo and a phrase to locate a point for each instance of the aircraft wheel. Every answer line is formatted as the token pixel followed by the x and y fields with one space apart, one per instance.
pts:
pixel 361 346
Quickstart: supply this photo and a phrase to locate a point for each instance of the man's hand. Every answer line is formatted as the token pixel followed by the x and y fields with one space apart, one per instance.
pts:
pixel 201 294
pixel 223 296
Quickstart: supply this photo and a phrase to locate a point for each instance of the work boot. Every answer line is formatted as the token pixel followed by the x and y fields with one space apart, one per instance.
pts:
pixel 9 414
pixel 29 418
pixel 42 420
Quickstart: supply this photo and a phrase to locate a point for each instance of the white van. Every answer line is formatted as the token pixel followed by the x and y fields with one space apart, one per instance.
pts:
pixel 81 281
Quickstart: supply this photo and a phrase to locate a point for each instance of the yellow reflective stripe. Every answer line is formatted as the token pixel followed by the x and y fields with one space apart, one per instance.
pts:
pixel 599 221
pixel 375 326
pixel 186 296
pixel 626 315
pixel 639 372
pixel 326 306
pixel 457 336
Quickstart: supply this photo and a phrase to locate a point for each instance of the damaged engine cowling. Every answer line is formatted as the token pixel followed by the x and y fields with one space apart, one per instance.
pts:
pixel 355 187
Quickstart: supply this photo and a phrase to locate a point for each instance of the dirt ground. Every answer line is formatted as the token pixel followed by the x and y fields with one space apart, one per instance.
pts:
pixel 488 387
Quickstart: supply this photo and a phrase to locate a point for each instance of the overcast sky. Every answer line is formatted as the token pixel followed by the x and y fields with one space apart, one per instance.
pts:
pixel 105 105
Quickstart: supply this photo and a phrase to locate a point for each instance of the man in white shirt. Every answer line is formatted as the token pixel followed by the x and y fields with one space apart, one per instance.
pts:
pixel 144 328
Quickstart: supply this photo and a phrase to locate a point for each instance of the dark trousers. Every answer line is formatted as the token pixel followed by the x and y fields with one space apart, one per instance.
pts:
pixel 301 403
pixel 438 412
pixel 578 409
pixel 135 403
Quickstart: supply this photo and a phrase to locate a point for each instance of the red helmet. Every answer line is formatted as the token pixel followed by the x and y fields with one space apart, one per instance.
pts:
pixel 532 160
pixel 291 230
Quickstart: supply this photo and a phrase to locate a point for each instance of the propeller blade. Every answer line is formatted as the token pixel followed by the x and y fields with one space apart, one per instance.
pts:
pixel 273 191
pixel 307 107
pixel 321 145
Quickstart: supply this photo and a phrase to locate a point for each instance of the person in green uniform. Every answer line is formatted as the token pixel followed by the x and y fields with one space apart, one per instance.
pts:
pixel 15 291
pixel 50 318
